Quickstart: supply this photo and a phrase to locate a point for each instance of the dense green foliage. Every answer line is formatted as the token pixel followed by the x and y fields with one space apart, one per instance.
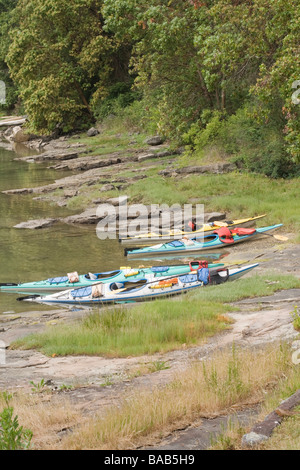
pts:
pixel 202 70
pixel 12 435
pixel 6 9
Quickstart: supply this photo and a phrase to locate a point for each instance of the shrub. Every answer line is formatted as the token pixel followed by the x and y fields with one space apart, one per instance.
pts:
pixel 12 435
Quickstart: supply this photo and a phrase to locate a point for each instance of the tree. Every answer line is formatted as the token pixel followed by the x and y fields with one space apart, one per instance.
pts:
pixel 200 55
pixel 6 21
pixel 279 79
pixel 59 57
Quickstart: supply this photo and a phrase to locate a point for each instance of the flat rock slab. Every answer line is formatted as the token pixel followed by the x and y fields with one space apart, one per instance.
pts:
pixel 264 429
pixel 217 168
pixel 202 436
pixel 36 224
pixel 283 296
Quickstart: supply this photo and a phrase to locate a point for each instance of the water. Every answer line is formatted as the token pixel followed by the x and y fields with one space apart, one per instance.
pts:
pixel 31 255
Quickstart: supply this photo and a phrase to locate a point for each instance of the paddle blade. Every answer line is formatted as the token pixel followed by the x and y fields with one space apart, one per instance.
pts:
pixel 28 297
pixel 221 224
pixel 282 238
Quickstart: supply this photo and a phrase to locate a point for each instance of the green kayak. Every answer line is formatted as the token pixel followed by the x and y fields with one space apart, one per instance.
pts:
pixel 218 239
pixel 74 281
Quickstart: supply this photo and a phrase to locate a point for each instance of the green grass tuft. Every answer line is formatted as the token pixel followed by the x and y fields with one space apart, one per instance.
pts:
pixel 158 326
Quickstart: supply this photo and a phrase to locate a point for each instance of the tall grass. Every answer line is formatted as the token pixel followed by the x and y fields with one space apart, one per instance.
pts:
pixel 229 378
pixel 145 329
pixel 239 195
pixel 287 435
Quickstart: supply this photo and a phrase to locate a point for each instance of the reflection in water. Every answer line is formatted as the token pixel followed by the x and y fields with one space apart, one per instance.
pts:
pixel 32 255
pixel 23 151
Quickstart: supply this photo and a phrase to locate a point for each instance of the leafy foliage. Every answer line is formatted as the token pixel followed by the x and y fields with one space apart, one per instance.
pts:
pixel 197 63
pixel 60 57
pixel 12 435
pixel 6 20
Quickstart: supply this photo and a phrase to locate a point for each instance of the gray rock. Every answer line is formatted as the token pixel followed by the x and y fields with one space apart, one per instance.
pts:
pixel 16 134
pixel 36 224
pixel 295 345
pixel 92 132
pixel 146 156
pixel 212 216
pixel 107 187
pixel 118 201
pixel 253 439
pixel 87 217
pixel 218 168
pixel 156 140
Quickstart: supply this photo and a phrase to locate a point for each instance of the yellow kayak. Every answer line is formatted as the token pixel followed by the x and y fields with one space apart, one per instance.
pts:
pixel 205 229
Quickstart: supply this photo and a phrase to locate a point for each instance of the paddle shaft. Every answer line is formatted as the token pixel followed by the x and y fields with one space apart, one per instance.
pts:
pixel 277 237
pixel 8 284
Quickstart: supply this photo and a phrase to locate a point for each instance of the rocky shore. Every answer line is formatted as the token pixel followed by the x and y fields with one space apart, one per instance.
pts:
pixel 88 170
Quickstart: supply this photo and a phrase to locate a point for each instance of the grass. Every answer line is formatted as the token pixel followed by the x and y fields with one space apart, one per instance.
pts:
pixel 233 193
pixel 110 142
pixel 229 379
pixel 163 325
pixel 43 417
pixel 284 437
pixel 287 436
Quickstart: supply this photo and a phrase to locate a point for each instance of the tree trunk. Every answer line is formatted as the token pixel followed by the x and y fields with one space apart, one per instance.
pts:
pixel 83 98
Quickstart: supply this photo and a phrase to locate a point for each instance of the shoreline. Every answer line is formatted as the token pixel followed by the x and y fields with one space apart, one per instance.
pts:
pixel 262 321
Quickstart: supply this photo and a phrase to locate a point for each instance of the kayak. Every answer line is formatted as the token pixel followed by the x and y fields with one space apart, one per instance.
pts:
pixel 207 242
pixel 205 229
pixel 144 289
pixel 57 284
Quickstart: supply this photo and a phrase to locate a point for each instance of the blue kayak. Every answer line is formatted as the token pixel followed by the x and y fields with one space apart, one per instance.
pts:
pixel 223 237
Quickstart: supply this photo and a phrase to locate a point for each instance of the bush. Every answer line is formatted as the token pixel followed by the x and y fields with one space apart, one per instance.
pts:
pixel 255 146
pixel 119 96
pixel 12 435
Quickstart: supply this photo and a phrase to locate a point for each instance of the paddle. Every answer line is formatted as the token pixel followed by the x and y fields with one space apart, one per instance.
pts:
pixel 8 284
pixel 282 238
pixel 28 297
